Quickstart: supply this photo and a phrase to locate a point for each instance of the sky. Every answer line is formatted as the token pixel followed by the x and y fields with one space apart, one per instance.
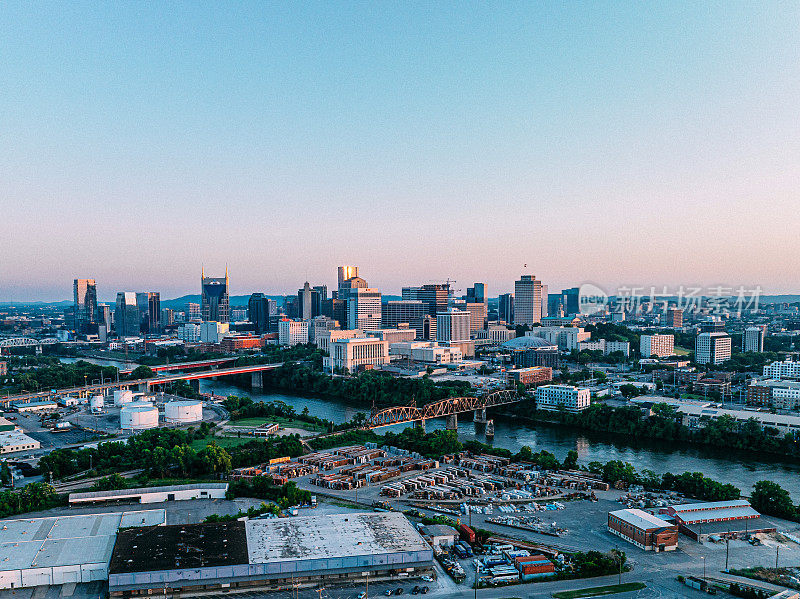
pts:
pixel 614 143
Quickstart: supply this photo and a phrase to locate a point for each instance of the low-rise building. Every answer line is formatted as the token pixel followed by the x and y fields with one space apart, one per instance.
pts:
pixel 496 334
pixel 724 518
pixel 566 338
pixel 535 375
pixel 785 370
pixel 324 339
pixel 353 355
pixel 12 441
pixel 152 494
pixel 234 343
pixel 394 335
pixel 440 535
pixel 782 395
pixel 34 406
pixel 261 555
pixel 562 397
pixel 644 530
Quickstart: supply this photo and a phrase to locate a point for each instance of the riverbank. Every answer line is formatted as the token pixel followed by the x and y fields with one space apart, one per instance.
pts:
pixel 739 468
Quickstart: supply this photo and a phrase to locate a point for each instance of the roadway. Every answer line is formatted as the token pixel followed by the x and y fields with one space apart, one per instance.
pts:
pixel 137 383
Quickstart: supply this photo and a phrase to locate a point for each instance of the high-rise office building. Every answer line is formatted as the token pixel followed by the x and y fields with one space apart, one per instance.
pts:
pixel 167 317
pixel 477 316
pixel 572 300
pixel 477 294
pixel 712 348
pixel 336 309
pixel 193 312
pixel 364 309
pixel 661 346
pixel 396 312
pixel 452 325
pixel 505 308
pixel 215 301
pixel 346 272
pixel 259 309
pixel 149 303
pixel 104 316
pixel 322 291
pixel 527 300
pixel 675 318
pixel 304 302
pixel 753 338
pixel 127 321
pixel 85 312
pixel 545 301
pixel 435 296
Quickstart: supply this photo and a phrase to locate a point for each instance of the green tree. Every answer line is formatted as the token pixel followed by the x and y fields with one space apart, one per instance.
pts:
pixel 571 461
pixel 770 498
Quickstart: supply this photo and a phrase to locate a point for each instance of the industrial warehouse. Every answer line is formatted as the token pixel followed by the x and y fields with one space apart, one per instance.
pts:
pixel 152 494
pixel 185 560
pixel 721 518
pixel 64 549
pixel 644 530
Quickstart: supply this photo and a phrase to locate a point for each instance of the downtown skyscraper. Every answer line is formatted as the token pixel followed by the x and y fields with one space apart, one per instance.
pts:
pixel 85 304
pixel 214 303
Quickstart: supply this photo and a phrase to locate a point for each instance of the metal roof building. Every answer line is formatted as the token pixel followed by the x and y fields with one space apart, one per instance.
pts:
pixel 63 549
pixel 265 554
pixel 153 494
pixel 712 511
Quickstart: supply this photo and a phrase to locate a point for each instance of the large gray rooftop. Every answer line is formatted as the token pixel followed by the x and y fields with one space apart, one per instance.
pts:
pixel 66 540
pixel 339 535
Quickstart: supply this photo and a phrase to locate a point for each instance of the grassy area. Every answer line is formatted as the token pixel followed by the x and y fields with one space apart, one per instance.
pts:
pixel 611 589
pixel 284 422
pixel 224 442
pixel 681 351
pixel 250 422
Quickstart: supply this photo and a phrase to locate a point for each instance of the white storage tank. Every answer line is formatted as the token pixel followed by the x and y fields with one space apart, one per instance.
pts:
pixel 122 396
pixel 96 403
pixel 138 416
pixel 183 411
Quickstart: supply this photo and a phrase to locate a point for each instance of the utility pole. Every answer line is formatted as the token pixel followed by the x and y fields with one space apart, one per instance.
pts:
pixel 727 551
pixel 777 551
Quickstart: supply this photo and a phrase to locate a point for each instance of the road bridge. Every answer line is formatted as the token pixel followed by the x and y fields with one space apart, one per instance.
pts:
pixel 255 370
pixel 449 408
pixel 186 365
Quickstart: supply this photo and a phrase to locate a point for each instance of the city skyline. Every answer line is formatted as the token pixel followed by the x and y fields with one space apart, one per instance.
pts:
pixel 597 143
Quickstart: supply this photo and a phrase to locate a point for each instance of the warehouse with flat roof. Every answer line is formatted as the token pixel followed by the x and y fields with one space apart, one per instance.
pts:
pixel 63 549
pixel 266 554
pixel 721 518
pixel 153 494
pixel 644 530
pixel 15 440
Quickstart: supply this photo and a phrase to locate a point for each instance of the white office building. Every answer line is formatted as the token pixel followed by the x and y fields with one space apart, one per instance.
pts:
pixel 712 348
pixel 661 346
pixel 212 331
pixel 783 370
pixel 621 346
pixel 427 352
pixel 566 338
pixel 496 334
pixel 292 332
pixel 527 300
pixel 364 309
pixel 753 339
pixel 352 355
pixel 566 397
pixel 324 339
pixel 189 332
pixel 452 325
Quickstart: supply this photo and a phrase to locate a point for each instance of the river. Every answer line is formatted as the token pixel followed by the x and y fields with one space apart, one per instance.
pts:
pixel 729 466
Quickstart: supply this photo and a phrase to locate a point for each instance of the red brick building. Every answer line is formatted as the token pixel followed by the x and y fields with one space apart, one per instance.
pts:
pixel 644 530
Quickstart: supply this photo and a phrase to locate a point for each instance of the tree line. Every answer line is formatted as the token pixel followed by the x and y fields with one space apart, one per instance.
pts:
pixel 665 423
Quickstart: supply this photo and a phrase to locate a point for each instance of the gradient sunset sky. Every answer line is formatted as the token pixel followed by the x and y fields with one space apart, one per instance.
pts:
pixel 615 143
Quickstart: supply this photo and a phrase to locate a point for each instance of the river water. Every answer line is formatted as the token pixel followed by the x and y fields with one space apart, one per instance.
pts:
pixel 731 466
